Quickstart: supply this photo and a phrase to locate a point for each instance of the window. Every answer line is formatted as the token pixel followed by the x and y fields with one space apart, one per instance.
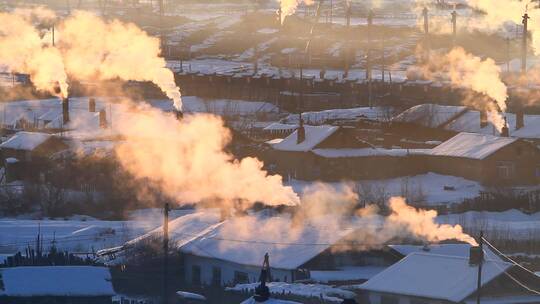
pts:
pixel 196 275
pixel 505 170
pixel 240 277
pixel 216 276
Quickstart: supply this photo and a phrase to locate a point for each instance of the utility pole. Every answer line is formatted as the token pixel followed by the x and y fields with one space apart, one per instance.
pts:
pixel 368 58
pixel 426 33
pixel 454 27
pixel 161 34
pixel 165 252
pixel 524 44
pixel 508 54
pixel 479 281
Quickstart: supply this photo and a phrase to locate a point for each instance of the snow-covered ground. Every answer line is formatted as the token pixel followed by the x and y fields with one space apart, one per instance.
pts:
pixel 425 189
pixel 327 293
pixel 80 234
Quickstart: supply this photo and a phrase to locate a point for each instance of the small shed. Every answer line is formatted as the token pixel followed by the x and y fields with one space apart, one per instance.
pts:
pixel 31 146
pixel 56 284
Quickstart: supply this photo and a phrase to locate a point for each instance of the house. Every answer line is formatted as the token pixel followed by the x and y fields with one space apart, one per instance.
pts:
pixel 432 278
pixel 214 251
pixel 31 146
pixel 490 159
pixel 294 156
pixel 56 284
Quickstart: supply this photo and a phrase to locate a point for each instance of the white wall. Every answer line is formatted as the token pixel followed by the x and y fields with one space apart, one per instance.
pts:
pixel 376 298
pixel 227 271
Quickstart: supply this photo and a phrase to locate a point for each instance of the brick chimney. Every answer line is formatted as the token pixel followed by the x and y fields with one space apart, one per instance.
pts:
pixel 476 255
pixel 65 110
pixel 505 132
pixel 301 131
pixel 91 105
pixel 102 119
pixel 483 118
pixel 520 119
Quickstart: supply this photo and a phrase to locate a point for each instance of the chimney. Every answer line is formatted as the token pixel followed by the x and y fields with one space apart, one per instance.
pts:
pixel 476 255
pixel 520 119
pixel 102 119
pixel 179 115
pixel 454 27
pixel 65 110
pixel 301 131
pixel 91 105
pixel 483 118
pixel 504 131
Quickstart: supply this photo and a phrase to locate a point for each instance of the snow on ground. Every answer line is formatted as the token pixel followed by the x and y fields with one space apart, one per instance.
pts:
pixel 510 224
pixel 345 274
pixel 78 234
pixel 427 188
pixel 328 293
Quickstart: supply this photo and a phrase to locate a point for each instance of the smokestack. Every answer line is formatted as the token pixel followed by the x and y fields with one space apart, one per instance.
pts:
pixel 92 105
pixel 454 27
pixel 426 21
pixel 483 118
pixel 301 131
pixel 524 44
pixel 279 15
pixel 520 119
pixel 179 114
pixel 505 132
pixel 65 110
pixel 349 11
pixel 102 119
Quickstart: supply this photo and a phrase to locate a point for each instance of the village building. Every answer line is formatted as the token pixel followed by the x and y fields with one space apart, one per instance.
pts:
pixel 490 159
pixel 424 278
pixel 56 284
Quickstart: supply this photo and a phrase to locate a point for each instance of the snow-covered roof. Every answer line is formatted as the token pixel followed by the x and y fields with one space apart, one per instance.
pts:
pixel 459 250
pixel 472 145
pixel 364 152
pixel 26 141
pixel 225 242
pixel 430 115
pixel 320 117
pixel 276 126
pixel 56 281
pixel 314 136
pixel 434 276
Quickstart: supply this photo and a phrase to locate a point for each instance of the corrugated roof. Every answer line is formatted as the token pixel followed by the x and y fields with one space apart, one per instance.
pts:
pixel 472 145
pixel 434 276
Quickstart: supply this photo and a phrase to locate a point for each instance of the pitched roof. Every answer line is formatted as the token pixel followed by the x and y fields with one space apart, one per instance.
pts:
pixel 472 145
pixel 27 141
pixel 314 136
pixel 434 276
pixel 286 249
pixel 430 115
pixel 459 250
pixel 56 281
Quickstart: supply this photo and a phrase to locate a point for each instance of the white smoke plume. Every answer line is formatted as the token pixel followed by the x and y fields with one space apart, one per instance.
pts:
pixel 24 50
pixel 465 70
pixel 87 49
pixel 96 49
pixel 188 163
pixel 288 7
